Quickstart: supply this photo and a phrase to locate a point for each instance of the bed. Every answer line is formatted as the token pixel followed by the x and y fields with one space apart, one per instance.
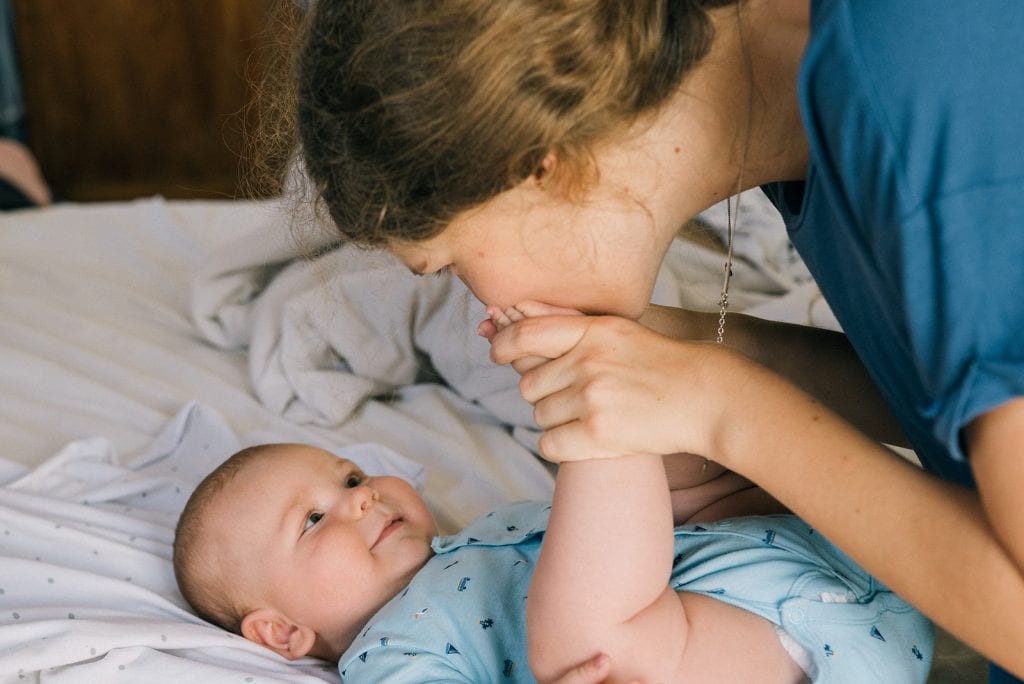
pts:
pixel 145 341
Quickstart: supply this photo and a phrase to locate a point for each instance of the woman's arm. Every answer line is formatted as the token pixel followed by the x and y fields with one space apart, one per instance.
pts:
pixel 821 362
pixel 601 583
pixel 955 556
pixel 995 441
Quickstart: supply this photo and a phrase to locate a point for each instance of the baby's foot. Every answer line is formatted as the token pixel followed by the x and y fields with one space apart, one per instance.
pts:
pixel 503 319
pixel 499 320
pixel 527 309
pixel 496 321
pixel 532 309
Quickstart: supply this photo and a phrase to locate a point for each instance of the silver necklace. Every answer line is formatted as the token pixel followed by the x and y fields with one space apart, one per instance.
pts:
pixel 723 302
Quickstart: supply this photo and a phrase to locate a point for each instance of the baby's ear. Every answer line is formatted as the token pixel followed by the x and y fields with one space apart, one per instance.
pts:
pixel 274 630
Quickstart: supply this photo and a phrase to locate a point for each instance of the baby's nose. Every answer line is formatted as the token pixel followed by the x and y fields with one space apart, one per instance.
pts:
pixel 366 497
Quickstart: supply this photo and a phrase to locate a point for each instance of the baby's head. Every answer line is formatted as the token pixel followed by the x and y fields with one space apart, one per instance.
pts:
pixel 295 548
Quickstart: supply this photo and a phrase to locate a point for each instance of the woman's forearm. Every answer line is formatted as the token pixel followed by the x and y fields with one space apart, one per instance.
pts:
pixel 821 362
pixel 927 539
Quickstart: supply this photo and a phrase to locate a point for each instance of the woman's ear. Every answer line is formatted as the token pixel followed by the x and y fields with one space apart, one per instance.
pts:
pixel 559 181
pixel 544 169
pixel 274 630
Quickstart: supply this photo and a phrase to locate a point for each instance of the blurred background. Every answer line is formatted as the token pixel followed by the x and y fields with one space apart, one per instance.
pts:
pixel 119 99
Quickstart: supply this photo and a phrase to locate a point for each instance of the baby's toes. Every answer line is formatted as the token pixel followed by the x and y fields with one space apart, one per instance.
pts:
pixel 514 315
pixel 498 317
pixel 530 309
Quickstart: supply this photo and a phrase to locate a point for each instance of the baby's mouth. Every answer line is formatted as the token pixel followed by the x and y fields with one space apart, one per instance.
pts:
pixel 391 526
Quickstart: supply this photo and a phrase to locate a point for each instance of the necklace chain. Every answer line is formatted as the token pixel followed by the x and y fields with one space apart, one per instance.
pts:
pixel 723 302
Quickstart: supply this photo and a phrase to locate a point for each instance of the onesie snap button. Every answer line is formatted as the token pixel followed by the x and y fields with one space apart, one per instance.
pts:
pixel 793 615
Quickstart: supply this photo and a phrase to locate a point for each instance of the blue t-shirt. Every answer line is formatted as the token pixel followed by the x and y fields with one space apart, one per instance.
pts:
pixel 911 217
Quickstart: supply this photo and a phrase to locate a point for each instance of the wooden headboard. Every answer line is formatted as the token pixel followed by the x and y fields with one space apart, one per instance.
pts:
pixel 126 98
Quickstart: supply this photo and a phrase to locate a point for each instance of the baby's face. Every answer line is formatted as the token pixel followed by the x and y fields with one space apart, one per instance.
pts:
pixel 314 537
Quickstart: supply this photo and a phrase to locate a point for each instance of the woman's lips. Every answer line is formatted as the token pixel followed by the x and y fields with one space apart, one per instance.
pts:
pixel 389 528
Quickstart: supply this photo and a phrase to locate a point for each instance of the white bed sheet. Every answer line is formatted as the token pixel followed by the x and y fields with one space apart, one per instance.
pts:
pixel 109 393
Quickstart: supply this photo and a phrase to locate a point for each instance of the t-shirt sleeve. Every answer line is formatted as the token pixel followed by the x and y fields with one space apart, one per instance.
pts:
pixel 964 283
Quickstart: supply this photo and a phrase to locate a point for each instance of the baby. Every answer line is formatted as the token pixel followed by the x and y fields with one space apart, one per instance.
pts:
pixel 300 551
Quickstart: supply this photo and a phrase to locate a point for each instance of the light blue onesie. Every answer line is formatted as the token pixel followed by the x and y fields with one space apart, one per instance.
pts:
pixel 463 617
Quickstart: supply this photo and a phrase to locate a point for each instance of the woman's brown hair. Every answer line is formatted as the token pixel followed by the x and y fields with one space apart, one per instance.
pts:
pixel 411 111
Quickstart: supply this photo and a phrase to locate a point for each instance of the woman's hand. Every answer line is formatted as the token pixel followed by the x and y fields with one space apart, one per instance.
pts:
pixel 615 387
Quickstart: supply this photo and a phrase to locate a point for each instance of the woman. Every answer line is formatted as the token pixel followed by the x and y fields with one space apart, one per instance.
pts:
pixel 548 151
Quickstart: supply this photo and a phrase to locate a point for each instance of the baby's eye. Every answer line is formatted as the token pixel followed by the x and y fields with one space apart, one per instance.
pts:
pixel 354 480
pixel 312 518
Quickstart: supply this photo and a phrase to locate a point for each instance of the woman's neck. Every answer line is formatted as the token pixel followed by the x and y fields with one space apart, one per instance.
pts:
pixel 775 34
pixel 736 115
pixel 734 123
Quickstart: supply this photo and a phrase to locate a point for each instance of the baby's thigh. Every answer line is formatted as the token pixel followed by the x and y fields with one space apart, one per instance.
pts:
pixel 728 644
pixel 702 491
pixel 689 470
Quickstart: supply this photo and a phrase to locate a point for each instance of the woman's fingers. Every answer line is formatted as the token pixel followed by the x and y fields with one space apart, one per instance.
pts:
pixel 620 388
pixel 614 387
pixel 573 442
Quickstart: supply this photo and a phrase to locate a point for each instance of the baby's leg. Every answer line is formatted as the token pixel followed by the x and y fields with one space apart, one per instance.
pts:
pixel 703 491
pixel 726 495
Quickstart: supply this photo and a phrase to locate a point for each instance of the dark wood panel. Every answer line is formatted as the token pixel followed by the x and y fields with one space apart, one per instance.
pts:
pixel 130 97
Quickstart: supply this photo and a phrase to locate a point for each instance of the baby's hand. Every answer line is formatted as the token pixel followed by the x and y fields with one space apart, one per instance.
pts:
pixel 499 320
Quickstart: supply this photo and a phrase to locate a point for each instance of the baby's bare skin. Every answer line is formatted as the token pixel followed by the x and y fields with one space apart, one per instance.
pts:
pixel 701 490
